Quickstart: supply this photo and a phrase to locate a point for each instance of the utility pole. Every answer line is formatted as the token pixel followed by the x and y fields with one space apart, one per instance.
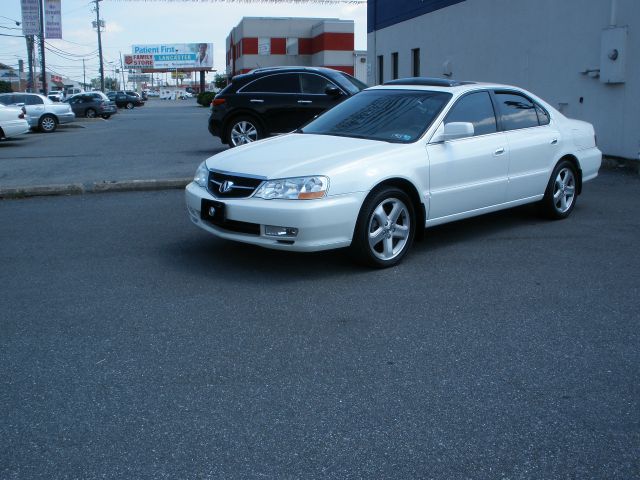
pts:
pixel 98 27
pixel 84 76
pixel 124 85
pixel 43 65
pixel 30 53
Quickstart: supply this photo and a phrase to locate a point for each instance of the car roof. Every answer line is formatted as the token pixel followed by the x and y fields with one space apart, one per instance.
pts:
pixel 265 70
pixel 439 84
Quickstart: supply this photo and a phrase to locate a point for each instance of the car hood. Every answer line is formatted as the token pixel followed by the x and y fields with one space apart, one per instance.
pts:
pixel 296 155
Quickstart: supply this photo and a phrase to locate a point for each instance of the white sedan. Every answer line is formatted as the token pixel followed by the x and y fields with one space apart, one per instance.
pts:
pixel 13 122
pixel 374 171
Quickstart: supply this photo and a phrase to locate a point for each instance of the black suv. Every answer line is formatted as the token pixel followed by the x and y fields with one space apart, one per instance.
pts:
pixel 125 100
pixel 268 101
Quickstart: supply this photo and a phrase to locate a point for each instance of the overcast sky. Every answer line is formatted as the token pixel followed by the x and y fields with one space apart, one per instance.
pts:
pixel 140 22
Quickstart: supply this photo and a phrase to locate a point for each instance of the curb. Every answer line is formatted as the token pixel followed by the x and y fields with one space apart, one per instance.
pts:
pixel 95 187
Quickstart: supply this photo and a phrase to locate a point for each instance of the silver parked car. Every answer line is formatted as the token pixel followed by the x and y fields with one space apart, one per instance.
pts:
pixel 43 113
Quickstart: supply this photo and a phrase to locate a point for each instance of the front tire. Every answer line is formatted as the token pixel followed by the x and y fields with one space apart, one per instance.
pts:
pixel 48 124
pixel 243 130
pixel 385 228
pixel 561 193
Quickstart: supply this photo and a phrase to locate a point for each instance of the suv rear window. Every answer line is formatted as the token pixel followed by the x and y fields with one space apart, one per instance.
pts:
pixel 277 83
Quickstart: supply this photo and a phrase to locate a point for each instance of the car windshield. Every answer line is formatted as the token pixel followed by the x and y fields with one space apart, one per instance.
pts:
pixel 397 116
pixel 352 84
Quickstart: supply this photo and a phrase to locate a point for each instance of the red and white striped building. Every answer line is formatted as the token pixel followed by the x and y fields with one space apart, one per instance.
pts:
pixel 274 42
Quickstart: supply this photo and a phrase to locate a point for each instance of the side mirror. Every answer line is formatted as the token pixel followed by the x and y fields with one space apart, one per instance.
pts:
pixel 455 130
pixel 333 91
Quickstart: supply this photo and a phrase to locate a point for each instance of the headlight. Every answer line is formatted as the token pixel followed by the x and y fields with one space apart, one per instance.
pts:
pixel 202 175
pixel 301 188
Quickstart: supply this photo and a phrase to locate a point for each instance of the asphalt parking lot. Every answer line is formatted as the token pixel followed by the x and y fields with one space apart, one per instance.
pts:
pixel 134 345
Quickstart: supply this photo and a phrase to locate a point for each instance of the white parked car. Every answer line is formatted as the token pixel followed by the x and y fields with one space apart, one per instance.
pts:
pixel 377 169
pixel 42 112
pixel 13 122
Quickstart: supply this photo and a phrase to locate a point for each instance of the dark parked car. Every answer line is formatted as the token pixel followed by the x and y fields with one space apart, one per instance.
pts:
pixel 124 100
pixel 92 104
pixel 267 101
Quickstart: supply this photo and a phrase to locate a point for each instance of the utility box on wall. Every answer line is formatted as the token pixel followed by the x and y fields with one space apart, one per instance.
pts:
pixel 613 55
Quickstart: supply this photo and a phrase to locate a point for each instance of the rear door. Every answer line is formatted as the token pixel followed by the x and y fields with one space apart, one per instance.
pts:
pixel 532 141
pixel 274 98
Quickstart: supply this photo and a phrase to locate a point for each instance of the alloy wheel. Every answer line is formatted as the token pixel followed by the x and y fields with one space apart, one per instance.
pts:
pixel 564 190
pixel 389 229
pixel 243 132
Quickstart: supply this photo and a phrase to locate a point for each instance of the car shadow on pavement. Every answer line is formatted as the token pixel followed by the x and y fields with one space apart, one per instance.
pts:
pixel 207 255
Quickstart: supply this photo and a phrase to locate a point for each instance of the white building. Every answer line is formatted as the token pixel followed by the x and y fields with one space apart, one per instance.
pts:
pixel 583 56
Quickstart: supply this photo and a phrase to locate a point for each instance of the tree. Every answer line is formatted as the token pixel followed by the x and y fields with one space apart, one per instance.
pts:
pixel 109 83
pixel 5 87
pixel 220 81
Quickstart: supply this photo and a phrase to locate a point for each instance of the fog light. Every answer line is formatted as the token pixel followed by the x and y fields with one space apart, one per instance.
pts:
pixel 273 231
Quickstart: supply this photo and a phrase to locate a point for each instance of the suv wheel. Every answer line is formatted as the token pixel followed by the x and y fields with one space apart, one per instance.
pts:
pixel 243 130
pixel 90 113
pixel 48 123
pixel 129 105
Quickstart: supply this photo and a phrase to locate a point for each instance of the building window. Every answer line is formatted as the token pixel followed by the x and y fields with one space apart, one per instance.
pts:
pixel 380 69
pixel 292 46
pixel 394 65
pixel 415 64
pixel 264 46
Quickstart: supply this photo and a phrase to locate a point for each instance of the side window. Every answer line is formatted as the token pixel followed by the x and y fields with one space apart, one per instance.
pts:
pixel 314 84
pixel 279 83
pixel 475 108
pixel 543 115
pixel 17 98
pixel 517 111
pixel 6 99
pixel 33 100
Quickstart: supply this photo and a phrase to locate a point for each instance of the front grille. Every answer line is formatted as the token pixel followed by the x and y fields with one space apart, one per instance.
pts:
pixel 226 185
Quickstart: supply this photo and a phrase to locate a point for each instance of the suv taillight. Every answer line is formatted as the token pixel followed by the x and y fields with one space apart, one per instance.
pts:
pixel 217 101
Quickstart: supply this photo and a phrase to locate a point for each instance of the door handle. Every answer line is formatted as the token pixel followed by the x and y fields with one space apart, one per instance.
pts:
pixel 256 100
pixel 305 101
pixel 499 151
pixel 554 141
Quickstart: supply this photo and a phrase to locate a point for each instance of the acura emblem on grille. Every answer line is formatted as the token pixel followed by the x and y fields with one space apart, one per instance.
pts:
pixel 226 186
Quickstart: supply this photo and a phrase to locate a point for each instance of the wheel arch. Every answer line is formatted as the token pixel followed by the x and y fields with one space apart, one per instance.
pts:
pixel 576 163
pixel 410 189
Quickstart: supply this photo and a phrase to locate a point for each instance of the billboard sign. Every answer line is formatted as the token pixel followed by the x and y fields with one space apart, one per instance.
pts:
pixel 138 61
pixel 30 17
pixel 172 56
pixel 52 19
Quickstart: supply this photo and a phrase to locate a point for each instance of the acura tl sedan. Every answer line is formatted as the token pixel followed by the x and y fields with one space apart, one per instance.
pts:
pixel 374 171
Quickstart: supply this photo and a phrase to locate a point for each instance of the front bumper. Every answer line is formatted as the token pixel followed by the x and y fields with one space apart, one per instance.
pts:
pixel 322 224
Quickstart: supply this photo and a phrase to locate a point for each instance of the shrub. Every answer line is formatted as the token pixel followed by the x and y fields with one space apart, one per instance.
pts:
pixel 205 98
pixel 5 87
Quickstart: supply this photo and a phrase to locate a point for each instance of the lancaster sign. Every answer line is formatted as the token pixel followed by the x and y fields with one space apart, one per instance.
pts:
pixel 174 56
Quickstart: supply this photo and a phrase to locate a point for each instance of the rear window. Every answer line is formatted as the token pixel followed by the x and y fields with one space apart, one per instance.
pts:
pixel 517 111
pixel 278 83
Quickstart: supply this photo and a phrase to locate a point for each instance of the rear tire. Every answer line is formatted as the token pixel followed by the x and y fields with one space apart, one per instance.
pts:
pixel 562 192
pixel 385 228
pixel 90 113
pixel 48 124
pixel 242 130
pixel 129 105
pixel 106 116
